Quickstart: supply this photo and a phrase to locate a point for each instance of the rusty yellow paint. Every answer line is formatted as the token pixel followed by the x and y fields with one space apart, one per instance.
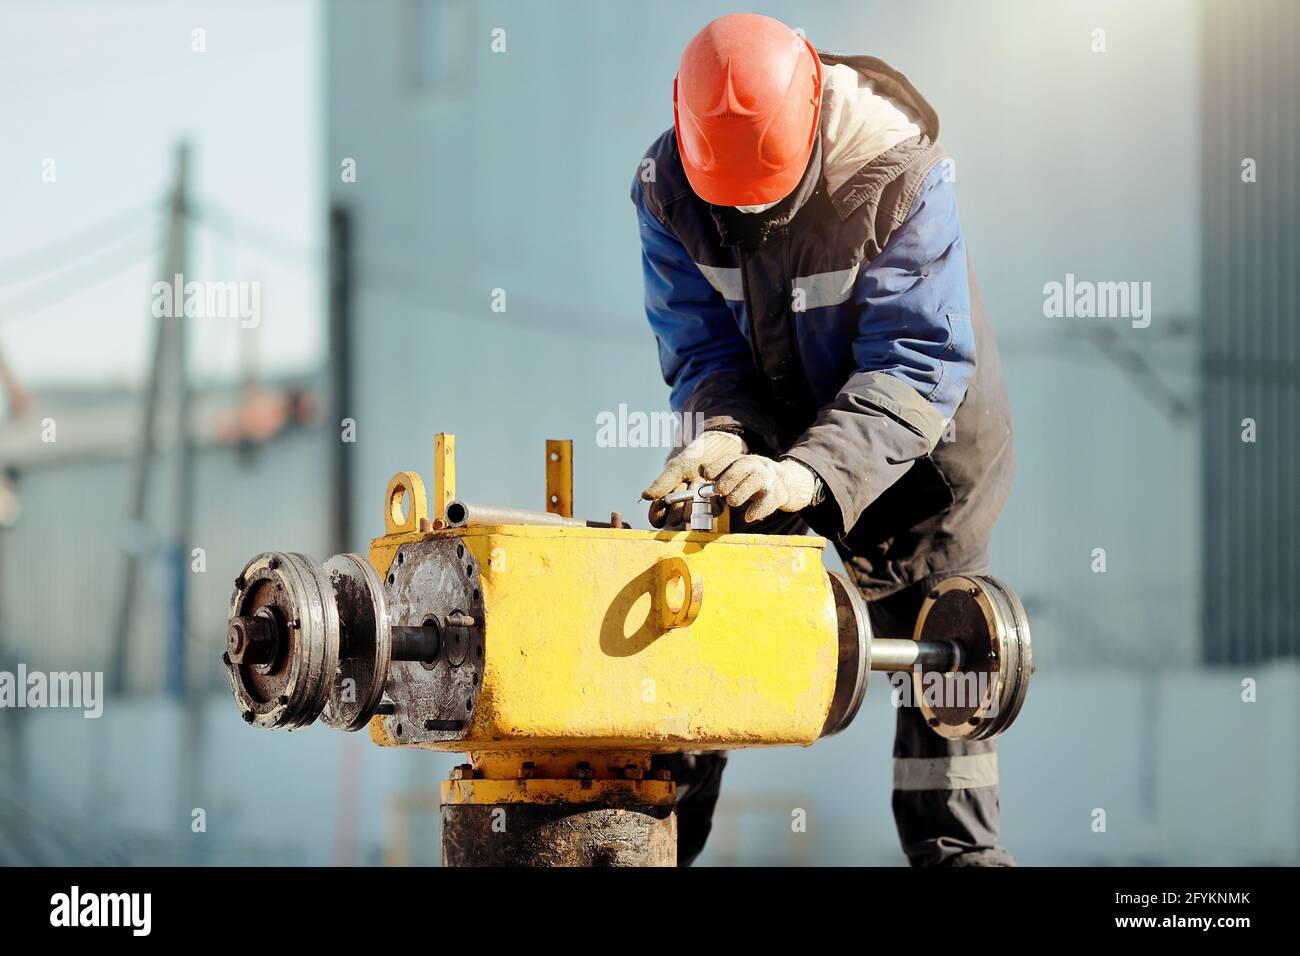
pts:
pixel 576 657
pixel 545 790
pixel 559 476
pixel 558 764
pixel 603 642
pixel 379 733
pixel 384 550
pixel 444 473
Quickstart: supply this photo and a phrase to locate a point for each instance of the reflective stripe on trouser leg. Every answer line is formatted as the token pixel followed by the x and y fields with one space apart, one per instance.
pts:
pixel 945 791
pixel 960 772
pixel 945 796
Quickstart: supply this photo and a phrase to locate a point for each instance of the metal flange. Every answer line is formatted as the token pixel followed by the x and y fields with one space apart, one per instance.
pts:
pixel 987 621
pixel 283 640
pixel 366 643
pixel 854 669
pixel 434 586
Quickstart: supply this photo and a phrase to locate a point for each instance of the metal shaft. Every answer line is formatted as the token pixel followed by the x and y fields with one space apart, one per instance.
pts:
pixel 424 642
pixel 421 643
pixel 902 654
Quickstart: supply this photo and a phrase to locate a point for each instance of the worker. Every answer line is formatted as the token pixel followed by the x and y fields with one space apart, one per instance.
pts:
pixel 806 278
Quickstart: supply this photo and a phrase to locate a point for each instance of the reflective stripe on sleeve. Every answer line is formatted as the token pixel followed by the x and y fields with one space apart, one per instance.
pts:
pixel 826 288
pixel 725 280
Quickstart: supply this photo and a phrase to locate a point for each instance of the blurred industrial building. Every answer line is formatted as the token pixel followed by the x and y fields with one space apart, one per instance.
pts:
pixel 472 179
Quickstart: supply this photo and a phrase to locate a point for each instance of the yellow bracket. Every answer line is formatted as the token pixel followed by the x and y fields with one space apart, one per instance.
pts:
pixel 677 609
pixel 405 487
pixel 559 476
pixel 444 474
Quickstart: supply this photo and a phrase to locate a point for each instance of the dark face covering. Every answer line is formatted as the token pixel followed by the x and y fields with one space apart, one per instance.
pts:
pixel 750 230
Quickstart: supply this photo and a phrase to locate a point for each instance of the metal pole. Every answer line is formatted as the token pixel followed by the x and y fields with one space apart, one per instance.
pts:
pixel 173 263
pixel 461 514
pixel 183 496
pixel 340 371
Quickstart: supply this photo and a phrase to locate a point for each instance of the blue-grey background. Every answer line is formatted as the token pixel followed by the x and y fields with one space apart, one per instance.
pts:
pixel 479 170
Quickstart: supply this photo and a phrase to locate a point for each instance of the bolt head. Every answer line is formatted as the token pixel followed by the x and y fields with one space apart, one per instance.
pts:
pixel 250 640
pixel 236 642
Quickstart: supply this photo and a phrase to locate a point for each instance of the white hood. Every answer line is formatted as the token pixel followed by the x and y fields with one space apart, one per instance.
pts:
pixel 858 124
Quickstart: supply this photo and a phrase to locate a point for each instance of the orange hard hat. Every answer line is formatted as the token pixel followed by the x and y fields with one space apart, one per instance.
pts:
pixel 746 102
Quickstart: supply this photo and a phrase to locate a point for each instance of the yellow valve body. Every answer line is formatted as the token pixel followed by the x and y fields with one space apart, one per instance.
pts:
pixel 619 639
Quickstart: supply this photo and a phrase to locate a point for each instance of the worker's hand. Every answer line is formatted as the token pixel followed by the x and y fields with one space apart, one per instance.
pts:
pixel 704 458
pixel 769 486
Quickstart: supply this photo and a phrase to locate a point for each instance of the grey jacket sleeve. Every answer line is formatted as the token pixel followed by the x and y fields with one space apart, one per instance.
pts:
pixel 865 439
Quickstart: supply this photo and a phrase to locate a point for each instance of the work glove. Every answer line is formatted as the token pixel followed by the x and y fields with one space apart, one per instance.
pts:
pixel 705 457
pixel 768 486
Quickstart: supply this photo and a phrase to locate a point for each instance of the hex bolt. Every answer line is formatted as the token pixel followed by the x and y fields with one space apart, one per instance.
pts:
pixel 633 772
pixel 665 775
pixel 464 771
pixel 251 640
pixel 584 774
pixel 527 770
